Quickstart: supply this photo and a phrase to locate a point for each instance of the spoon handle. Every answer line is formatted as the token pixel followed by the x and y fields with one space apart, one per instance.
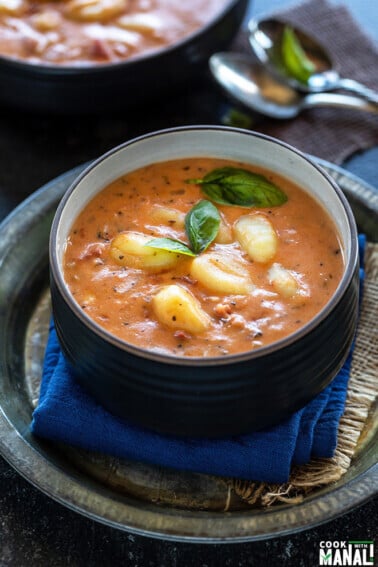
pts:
pixel 358 88
pixel 339 100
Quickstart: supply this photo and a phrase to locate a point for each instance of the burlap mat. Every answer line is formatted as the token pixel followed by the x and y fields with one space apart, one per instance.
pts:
pixel 330 133
pixel 362 393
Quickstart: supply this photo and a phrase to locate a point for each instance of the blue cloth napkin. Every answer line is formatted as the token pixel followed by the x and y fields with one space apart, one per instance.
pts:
pixel 66 413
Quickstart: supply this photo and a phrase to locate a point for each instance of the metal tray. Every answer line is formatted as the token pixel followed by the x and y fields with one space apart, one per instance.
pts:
pixel 132 496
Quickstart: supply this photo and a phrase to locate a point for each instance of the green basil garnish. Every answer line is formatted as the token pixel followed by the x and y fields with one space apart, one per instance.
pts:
pixel 234 186
pixel 237 118
pixel 294 58
pixel 170 245
pixel 202 225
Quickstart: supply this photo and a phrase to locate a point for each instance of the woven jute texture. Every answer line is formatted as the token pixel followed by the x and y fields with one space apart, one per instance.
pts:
pixel 361 397
pixel 329 133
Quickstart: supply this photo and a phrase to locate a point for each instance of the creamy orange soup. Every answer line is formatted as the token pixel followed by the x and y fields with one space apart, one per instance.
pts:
pixel 84 32
pixel 236 301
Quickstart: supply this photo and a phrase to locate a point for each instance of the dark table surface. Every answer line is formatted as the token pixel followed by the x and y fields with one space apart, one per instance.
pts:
pixel 37 531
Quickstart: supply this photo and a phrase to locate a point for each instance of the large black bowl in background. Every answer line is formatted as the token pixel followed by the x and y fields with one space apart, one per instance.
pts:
pixel 115 86
pixel 218 396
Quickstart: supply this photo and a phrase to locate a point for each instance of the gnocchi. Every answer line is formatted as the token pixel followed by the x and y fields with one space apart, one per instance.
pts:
pixel 12 7
pixel 168 215
pixel 46 21
pixel 129 249
pixel 95 10
pixel 177 308
pixel 257 237
pixel 141 22
pixel 224 235
pixel 283 280
pixel 222 273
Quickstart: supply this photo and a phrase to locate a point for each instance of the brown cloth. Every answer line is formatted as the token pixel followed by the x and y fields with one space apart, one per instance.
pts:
pixel 333 134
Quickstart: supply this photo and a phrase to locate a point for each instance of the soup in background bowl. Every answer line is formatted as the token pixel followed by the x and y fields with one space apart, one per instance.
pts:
pixel 102 56
pixel 204 280
pixel 90 32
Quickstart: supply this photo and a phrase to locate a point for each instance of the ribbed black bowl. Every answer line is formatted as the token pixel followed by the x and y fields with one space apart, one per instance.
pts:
pixel 115 86
pixel 207 396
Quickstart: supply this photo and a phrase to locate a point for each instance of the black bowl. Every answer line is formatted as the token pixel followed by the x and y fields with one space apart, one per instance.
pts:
pixel 218 396
pixel 116 86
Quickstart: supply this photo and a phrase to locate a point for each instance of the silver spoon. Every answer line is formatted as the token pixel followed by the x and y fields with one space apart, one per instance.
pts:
pixel 251 85
pixel 265 39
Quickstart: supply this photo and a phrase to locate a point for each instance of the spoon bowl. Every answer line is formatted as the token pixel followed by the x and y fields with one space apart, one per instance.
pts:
pixel 266 40
pixel 251 85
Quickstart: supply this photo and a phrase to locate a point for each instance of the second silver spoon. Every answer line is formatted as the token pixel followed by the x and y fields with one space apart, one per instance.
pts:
pixel 251 85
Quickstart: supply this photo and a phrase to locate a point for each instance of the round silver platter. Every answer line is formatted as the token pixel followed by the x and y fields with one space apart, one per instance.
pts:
pixel 132 496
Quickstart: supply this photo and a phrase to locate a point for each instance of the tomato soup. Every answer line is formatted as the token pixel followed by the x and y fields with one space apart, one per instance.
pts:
pixel 163 261
pixel 87 32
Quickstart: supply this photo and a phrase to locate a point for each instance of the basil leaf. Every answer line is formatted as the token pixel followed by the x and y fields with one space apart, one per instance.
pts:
pixel 170 245
pixel 237 118
pixel 202 225
pixel 236 186
pixel 294 58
